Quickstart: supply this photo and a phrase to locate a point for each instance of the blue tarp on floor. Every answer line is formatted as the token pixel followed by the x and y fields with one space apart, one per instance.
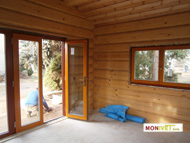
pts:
pixel 118 112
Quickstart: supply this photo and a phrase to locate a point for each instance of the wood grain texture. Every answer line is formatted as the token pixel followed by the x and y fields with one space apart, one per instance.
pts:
pixel 97 5
pixel 112 72
pixel 119 5
pixel 59 6
pixel 50 18
pixel 156 5
pixel 30 16
pixel 77 2
pixel 150 117
pixel 178 32
pixel 90 75
pixel 159 22
pixel 144 15
pixel 104 12
pixel 45 13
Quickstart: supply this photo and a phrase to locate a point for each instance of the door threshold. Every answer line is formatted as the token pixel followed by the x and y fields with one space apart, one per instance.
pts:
pixel 50 122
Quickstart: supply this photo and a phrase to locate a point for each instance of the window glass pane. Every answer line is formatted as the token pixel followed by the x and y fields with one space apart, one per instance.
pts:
pixel 177 66
pixel 52 79
pixel 76 79
pixel 3 94
pixel 146 65
pixel 28 72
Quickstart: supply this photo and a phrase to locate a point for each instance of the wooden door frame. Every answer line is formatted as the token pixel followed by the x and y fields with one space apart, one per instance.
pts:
pixel 63 76
pixel 85 94
pixel 16 37
pixel 10 73
pixel 9 80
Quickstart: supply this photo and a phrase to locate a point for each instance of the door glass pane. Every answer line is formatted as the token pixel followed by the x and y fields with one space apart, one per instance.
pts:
pixel 146 65
pixel 177 66
pixel 76 79
pixel 28 71
pixel 52 79
pixel 3 94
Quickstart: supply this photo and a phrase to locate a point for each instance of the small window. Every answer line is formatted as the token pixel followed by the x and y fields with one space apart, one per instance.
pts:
pixel 162 66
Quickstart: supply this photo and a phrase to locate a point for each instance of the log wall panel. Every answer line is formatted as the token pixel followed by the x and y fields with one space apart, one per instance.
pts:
pixel 113 74
pixel 179 32
pixel 90 75
pixel 31 22
pixel 113 65
pixel 45 13
pixel 144 106
pixel 150 117
pixel 59 6
pixel 112 69
pixel 35 19
pixel 112 56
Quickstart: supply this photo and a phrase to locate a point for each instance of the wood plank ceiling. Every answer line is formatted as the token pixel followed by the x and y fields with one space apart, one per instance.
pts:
pixel 105 12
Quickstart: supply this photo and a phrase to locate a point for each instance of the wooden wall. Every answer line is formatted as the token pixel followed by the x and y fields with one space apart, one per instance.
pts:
pixel 109 61
pixel 48 17
pixel 112 68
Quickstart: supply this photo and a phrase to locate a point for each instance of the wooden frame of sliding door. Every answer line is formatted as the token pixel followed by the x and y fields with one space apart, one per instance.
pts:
pixel 84 117
pixel 9 79
pixel 17 37
pixel 11 75
pixel 63 76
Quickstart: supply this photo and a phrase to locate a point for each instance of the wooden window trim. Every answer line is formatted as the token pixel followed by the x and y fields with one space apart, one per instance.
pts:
pixel 160 81
pixel 133 80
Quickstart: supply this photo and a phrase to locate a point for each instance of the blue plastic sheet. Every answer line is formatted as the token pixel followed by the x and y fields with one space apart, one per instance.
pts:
pixel 118 112
pixel 112 116
pixel 135 118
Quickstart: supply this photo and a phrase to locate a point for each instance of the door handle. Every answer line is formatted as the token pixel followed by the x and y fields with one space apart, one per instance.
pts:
pixel 83 80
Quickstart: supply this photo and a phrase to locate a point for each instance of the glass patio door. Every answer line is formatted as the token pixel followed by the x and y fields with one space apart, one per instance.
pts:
pixel 6 88
pixel 76 79
pixel 27 81
pixel 3 85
